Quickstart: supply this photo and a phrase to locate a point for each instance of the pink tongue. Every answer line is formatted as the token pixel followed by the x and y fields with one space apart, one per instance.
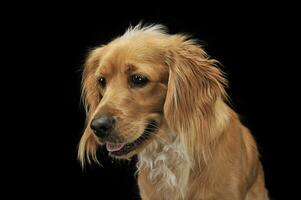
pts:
pixel 114 147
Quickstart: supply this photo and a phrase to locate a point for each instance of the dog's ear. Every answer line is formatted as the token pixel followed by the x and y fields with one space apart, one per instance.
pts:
pixel 195 84
pixel 90 90
pixel 90 98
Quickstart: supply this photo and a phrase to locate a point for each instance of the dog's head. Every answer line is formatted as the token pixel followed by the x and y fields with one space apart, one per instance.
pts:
pixel 142 84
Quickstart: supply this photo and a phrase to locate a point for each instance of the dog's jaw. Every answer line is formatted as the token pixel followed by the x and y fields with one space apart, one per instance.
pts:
pixel 125 150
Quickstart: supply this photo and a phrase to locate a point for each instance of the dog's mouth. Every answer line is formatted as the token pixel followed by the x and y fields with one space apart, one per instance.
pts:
pixel 120 149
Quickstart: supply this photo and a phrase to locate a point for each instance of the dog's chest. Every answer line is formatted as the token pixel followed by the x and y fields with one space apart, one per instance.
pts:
pixel 166 167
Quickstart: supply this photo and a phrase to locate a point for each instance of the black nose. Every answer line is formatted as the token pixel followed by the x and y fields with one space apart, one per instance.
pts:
pixel 103 125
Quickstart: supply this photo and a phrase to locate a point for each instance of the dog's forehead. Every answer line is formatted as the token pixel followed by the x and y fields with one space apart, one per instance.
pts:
pixel 127 57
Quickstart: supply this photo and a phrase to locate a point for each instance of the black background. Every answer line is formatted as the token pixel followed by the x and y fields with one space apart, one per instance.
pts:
pixel 48 43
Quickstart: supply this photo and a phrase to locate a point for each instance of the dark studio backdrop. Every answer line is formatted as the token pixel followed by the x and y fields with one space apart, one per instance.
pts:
pixel 253 42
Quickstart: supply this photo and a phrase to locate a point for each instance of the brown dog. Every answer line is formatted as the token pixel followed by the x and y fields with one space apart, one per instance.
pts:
pixel 160 96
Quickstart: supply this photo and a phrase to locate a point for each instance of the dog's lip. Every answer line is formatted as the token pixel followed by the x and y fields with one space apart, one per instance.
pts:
pixel 111 147
pixel 125 148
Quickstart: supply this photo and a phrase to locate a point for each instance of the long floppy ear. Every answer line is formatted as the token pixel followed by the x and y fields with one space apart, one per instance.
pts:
pixel 195 85
pixel 90 98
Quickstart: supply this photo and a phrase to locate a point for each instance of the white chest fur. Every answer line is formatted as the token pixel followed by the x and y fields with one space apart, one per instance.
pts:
pixel 168 166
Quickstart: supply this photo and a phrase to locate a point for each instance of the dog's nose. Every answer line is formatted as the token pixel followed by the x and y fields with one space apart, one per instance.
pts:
pixel 102 125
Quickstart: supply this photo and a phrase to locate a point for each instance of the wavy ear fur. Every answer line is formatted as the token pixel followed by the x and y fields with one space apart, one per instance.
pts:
pixel 90 97
pixel 195 86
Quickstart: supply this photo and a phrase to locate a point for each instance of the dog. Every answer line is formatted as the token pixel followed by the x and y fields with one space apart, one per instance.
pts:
pixel 161 97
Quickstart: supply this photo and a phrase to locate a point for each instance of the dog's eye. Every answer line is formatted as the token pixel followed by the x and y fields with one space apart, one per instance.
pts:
pixel 102 82
pixel 137 80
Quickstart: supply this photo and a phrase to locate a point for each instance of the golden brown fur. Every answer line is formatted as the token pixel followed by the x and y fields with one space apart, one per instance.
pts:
pixel 200 149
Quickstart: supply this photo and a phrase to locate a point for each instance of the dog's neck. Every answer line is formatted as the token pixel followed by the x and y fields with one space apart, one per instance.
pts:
pixel 166 161
pixel 166 165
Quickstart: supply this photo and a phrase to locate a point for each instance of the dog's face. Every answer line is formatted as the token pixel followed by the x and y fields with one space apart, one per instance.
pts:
pixel 130 80
pixel 134 87
pixel 132 92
